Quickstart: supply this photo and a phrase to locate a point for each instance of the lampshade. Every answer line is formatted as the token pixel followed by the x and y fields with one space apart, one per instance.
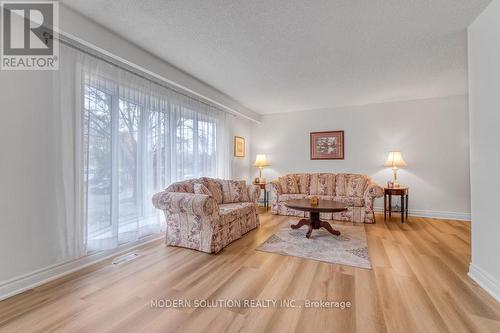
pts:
pixel 261 161
pixel 395 159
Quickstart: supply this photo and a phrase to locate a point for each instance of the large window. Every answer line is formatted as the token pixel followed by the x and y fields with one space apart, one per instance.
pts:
pixel 136 143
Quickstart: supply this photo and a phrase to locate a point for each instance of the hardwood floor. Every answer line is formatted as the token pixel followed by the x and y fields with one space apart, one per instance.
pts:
pixel 418 283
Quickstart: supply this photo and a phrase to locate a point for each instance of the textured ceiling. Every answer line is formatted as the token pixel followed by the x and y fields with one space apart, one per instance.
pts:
pixel 287 55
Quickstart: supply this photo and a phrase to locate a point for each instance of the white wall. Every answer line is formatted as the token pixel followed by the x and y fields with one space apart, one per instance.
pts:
pixel 484 87
pixel 28 234
pixel 30 215
pixel 432 135
pixel 241 166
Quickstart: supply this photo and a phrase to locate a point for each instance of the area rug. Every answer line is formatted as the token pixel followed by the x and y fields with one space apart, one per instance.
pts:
pixel 350 248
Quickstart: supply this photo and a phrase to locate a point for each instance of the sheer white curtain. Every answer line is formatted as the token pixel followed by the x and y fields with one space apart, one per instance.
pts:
pixel 133 138
pixel 66 118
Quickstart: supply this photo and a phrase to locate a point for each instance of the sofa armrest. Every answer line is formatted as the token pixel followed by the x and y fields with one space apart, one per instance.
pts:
pixel 373 190
pixel 189 203
pixel 276 187
pixel 253 193
pixel 276 191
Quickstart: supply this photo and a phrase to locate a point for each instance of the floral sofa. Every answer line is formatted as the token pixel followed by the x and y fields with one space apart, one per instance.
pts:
pixel 207 214
pixel 357 191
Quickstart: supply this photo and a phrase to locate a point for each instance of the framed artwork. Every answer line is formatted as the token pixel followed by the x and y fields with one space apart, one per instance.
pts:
pixel 239 146
pixel 327 145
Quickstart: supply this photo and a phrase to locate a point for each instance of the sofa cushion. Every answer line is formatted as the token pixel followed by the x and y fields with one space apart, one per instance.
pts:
pixel 350 185
pixel 303 180
pixel 322 184
pixel 356 186
pixel 351 201
pixel 234 191
pixel 232 211
pixel 214 186
pixel 201 189
pixel 289 184
pixel 285 197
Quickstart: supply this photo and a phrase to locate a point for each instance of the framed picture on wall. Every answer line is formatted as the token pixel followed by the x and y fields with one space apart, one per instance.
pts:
pixel 239 146
pixel 327 145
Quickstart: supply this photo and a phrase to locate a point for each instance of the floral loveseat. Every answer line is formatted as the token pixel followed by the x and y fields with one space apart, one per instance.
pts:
pixel 357 191
pixel 207 214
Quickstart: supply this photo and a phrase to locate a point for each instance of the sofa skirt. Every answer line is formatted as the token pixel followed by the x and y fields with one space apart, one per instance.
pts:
pixel 184 230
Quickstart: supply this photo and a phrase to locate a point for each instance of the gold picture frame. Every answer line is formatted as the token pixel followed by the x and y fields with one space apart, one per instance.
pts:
pixel 239 146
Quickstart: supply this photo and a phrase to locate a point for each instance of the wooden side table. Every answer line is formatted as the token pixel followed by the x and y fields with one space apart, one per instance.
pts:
pixel 398 191
pixel 266 193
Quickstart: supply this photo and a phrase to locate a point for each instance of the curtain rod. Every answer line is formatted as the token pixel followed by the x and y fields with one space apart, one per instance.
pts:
pixel 112 59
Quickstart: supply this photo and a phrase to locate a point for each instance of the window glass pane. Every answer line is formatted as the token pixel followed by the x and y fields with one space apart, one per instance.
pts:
pixel 156 155
pixel 97 170
pixel 185 149
pixel 128 147
pixel 206 148
pixel 205 139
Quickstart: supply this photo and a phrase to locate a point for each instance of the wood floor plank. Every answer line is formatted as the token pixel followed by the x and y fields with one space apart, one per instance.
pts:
pixel 367 303
pixel 418 283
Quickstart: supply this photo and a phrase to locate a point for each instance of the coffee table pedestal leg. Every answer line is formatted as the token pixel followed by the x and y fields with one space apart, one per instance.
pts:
pixel 315 223
pixel 300 224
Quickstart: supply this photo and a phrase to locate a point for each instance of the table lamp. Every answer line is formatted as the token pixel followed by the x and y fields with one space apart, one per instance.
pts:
pixel 395 161
pixel 261 162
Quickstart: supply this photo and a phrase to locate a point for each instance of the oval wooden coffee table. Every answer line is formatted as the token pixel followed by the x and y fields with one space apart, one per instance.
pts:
pixel 324 206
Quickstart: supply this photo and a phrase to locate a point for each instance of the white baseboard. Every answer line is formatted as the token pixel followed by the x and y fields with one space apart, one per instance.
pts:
pixel 432 214
pixel 485 281
pixel 34 279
